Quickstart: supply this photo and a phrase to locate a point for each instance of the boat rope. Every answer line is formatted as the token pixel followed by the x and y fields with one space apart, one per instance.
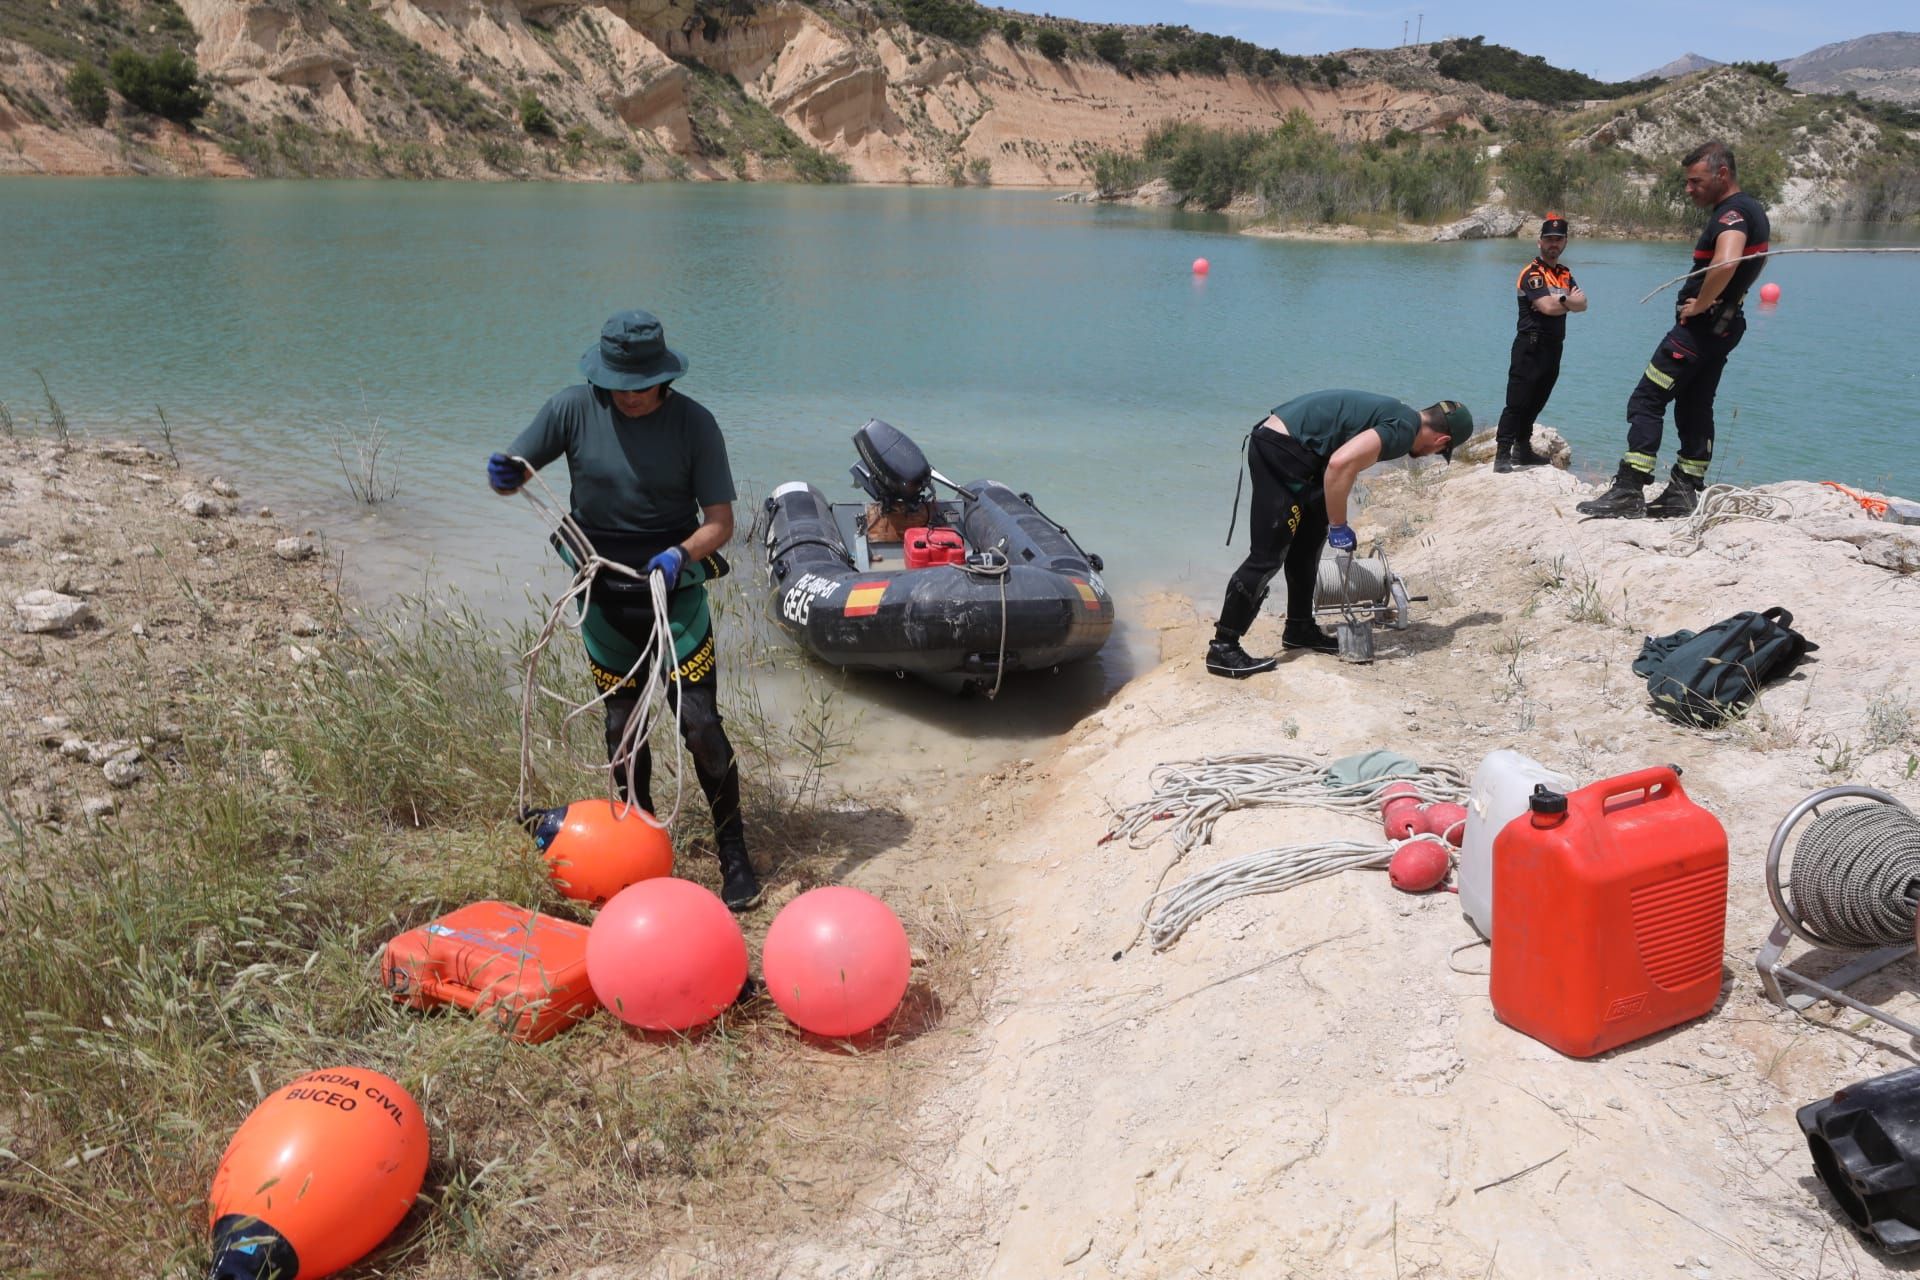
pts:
pixel 1875 507
pixel 656 659
pixel 1773 253
pixel 1195 794
pixel 1725 503
pixel 1856 873
pixel 989 568
pixel 1268 871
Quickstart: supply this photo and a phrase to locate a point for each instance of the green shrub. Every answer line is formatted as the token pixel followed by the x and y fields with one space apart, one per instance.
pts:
pixel 1117 173
pixel 1111 46
pixel 958 20
pixel 1768 71
pixel 1520 75
pixel 1012 32
pixel 533 116
pixel 166 85
pixel 1540 171
pixel 1051 44
pixel 87 91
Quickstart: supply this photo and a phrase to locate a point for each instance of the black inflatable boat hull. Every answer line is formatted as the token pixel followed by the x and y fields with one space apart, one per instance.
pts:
pixel 944 623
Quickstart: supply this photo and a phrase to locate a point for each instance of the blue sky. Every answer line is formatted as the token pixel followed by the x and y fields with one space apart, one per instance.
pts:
pixel 1609 40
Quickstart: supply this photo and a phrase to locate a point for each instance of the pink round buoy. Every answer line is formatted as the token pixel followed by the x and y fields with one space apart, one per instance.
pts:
pixel 1399 810
pixel 1419 865
pixel 1201 266
pixel 1448 821
pixel 1769 293
pixel 836 961
pixel 666 955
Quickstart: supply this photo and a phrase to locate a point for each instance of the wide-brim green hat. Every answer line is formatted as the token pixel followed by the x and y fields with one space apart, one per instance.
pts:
pixel 632 354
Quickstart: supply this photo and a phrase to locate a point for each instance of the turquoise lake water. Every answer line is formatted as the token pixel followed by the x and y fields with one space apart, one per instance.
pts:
pixel 1065 349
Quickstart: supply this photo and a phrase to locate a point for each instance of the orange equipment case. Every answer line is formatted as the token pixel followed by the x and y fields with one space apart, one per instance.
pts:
pixel 1610 915
pixel 523 970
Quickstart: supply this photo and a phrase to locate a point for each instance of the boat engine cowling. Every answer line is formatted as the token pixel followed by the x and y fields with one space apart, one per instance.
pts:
pixel 891 468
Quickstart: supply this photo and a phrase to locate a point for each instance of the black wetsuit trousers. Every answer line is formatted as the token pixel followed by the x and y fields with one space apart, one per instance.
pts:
pixel 1532 371
pixel 1684 372
pixel 713 759
pixel 1288 523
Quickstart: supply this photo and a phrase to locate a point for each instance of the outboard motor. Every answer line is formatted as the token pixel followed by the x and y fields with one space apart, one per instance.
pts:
pixel 891 469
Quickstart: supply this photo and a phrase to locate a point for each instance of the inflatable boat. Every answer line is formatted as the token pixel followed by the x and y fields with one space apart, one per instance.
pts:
pixel 957 590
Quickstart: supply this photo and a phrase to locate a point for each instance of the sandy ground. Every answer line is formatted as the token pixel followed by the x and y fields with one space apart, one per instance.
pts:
pixel 1306 1084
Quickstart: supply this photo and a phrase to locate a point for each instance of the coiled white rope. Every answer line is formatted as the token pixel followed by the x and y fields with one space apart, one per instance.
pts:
pixel 1856 873
pixel 1195 794
pixel 656 658
pixel 1268 871
pixel 1725 503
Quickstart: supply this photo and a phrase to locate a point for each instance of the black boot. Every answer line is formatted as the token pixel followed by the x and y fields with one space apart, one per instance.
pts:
pixel 1678 499
pixel 1503 460
pixel 1227 658
pixel 1627 500
pixel 1308 636
pixel 739 886
pixel 1524 456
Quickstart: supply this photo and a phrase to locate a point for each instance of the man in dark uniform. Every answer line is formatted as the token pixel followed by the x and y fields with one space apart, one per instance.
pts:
pixel 652 488
pixel 1304 458
pixel 1547 295
pixel 1686 366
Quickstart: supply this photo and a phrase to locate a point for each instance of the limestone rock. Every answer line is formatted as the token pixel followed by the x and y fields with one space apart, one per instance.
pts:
pixel 222 488
pixel 304 624
pixel 1488 222
pixel 294 548
pixel 207 506
pixel 95 808
pixel 45 611
pixel 124 769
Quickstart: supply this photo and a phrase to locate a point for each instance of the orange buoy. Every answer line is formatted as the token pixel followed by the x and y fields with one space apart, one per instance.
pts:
pixel 837 961
pixel 1448 821
pixel 316 1176
pixel 1769 293
pixel 1201 266
pixel 1419 865
pixel 666 955
pixel 1399 810
pixel 595 848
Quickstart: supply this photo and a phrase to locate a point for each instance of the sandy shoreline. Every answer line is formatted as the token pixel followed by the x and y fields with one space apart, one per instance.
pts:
pixel 1308 1084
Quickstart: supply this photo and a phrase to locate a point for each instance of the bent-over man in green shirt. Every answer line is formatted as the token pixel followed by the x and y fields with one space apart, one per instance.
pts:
pixel 1304 458
pixel 652 489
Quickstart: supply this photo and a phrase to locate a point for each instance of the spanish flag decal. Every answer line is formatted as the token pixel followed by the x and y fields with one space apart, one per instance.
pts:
pixel 1087 596
pixel 864 600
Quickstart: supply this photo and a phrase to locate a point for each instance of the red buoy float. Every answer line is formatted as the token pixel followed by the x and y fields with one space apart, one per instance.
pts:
pixel 837 961
pixel 316 1176
pixel 666 955
pixel 595 848
pixel 1201 266
pixel 1448 821
pixel 1399 810
pixel 1419 865
pixel 1769 293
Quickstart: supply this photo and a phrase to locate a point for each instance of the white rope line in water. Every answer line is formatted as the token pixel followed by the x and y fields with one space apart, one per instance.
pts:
pixel 1726 503
pixel 1771 253
pixel 656 658
pixel 1195 794
pixel 1268 871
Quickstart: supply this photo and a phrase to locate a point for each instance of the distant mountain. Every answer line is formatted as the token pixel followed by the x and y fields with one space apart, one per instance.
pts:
pixel 1885 66
pixel 1685 64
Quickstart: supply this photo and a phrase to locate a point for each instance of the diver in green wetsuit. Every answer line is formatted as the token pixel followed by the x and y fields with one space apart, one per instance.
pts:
pixel 652 489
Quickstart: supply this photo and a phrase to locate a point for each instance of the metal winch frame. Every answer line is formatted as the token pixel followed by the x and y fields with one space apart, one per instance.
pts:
pixel 1775 974
pixel 1357 593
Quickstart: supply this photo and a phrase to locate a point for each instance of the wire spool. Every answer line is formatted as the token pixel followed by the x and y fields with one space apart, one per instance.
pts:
pixel 1855 878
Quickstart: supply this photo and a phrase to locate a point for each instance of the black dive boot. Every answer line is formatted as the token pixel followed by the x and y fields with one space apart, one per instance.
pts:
pixel 1627 500
pixel 1678 499
pixel 1503 460
pixel 739 886
pixel 1524 456
pixel 1227 658
pixel 1308 636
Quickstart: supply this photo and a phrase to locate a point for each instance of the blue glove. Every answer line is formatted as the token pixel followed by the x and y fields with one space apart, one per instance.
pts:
pixel 668 565
pixel 1341 538
pixel 504 474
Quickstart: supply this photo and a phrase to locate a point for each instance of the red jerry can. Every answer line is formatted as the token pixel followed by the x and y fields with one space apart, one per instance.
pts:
pixel 1610 913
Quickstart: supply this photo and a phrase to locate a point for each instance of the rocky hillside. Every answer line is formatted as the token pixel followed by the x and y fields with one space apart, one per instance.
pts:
pixel 895 91
pixel 1884 66
pixel 1684 65
pixel 1812 158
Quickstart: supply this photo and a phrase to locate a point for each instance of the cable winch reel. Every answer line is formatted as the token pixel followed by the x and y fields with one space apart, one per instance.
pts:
pixel 1775 974
pixel 1354 595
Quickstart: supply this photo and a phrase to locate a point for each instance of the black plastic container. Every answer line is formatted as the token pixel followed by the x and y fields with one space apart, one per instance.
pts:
pixel 1866 1146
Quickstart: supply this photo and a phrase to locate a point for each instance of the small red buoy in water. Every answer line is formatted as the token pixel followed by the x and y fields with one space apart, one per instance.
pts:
pixel 1201 266
pixel 1419 865
pixel 1448 821
pixel 1769 293
pixel 316 1176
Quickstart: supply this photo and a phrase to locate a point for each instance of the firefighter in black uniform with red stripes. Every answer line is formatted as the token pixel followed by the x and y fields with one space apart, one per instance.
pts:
pixel 1686 366
pixel 1547 295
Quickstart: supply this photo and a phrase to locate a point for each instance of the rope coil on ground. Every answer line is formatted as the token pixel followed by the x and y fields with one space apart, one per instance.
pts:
pixel 656 657
pixel 1725 503
pixel 1856 875
pixel 1268 871
pixel 1195 794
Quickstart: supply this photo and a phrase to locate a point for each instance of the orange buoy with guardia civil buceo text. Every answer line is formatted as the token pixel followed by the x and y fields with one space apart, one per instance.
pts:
pixel 316 1176
pixel 595 848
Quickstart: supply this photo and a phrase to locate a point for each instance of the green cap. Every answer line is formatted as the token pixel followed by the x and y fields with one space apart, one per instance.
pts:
pixel 1456 422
